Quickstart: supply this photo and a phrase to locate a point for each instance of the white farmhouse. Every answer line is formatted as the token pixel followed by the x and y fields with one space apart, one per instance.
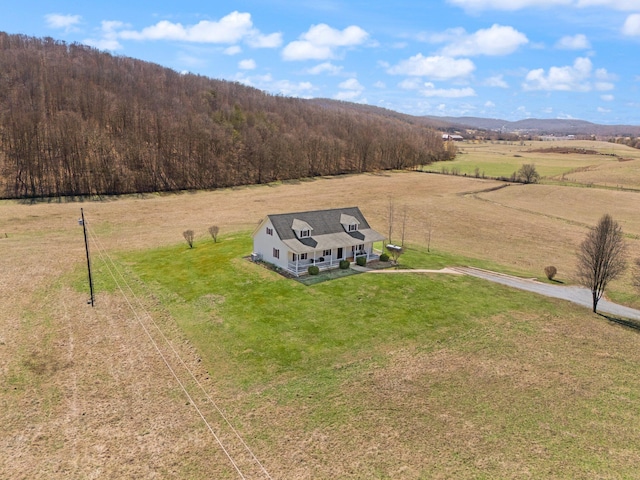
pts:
pixel 294 241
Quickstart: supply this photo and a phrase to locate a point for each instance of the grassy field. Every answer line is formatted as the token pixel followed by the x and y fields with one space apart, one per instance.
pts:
pixel 604 164
pixel 419 376
pixel 382 370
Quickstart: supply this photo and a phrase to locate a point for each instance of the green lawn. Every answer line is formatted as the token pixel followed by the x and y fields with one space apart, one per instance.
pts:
pixel 404 375
pixel 266 325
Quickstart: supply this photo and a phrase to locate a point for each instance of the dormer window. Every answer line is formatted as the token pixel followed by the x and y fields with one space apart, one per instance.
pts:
pixel 349 223
pixel 301 228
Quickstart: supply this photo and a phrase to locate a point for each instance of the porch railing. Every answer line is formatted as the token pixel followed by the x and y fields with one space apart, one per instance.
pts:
pixel 301 267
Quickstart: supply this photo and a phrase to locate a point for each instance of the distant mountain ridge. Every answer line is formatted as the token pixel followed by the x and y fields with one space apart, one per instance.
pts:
pixel 541 126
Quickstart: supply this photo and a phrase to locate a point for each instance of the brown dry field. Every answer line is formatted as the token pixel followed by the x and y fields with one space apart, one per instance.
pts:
pixel 86 395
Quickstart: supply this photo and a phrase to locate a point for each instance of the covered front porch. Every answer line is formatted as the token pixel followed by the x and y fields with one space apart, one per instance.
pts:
pixel 298 263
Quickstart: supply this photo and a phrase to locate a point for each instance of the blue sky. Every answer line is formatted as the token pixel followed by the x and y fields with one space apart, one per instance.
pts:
pixel 508 59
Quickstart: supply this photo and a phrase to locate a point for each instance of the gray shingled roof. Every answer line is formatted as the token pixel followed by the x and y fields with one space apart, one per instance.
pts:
pixel 327 231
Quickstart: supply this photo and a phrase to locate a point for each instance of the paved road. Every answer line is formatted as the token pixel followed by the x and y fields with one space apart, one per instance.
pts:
pixel 579 295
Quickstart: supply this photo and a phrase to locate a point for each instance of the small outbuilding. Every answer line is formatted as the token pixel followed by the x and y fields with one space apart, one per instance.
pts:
pixel 295 241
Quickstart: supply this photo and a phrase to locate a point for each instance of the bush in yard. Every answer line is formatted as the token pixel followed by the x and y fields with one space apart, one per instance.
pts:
pixel 313 270
pixel 344 264
pixel 361 261
pixel 384 257
pixel 550 271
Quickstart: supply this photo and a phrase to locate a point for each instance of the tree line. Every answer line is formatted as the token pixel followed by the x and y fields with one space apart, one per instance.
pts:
pixel 78 121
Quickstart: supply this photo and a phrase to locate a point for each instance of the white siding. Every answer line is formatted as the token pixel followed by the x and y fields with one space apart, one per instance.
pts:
pixel 264 244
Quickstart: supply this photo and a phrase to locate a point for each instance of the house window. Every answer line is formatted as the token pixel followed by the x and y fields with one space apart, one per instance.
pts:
pixel 326 253
pixel 269 231
pixel 304 256
pixel 305 233
pixel 276 253
pixel 358 248
pixel 352 227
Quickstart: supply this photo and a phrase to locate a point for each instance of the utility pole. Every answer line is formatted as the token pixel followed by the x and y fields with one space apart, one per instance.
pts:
pixel 86 247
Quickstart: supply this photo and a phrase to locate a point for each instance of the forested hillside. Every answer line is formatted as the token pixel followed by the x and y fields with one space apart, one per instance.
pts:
pixel 78 121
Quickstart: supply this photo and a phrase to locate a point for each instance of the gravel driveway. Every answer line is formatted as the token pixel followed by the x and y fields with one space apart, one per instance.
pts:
pixel 579 295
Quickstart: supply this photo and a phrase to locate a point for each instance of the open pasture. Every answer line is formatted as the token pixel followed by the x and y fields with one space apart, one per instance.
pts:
pixel 601 163
pixel 476 380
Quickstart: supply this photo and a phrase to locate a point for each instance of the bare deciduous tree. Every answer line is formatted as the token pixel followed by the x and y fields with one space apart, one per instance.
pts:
pixel 214 230
pixel 602 257
pixel 528 173
pixel 189 235
pixel 390 214
pixel 428 231
pixel 403 229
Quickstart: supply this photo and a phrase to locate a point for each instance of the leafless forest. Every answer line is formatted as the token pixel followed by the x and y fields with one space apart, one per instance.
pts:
pixel 78 121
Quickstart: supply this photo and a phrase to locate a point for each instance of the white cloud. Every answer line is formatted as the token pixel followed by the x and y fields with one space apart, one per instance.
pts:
pixel 351 89
pixel 351 84
pixel 607 98
pixel 631 25
pixel 321 41
pixel 413 83
pixel 300 50
pixel 325 35
pixel 575 78
pixel 247 64
pixel 494 41
pixel 232 50
pixel 575 42
pixel 285 87
pixel 496 81
pixel 257 40
pixel 489 104
pixel 282 87
pixel 430 90
pixel 230 29
pixel 326 67
pixel 103 44
pixel 523 111
pixel 512 5
pixel 603 110
pixel 436 67
pixel 380 84
pixel 604 86
pixel 350 96
pixel 66 22
pixel 109 36
pixel 623 5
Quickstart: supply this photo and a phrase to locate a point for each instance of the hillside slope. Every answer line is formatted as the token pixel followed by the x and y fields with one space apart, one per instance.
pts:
pixel 77 121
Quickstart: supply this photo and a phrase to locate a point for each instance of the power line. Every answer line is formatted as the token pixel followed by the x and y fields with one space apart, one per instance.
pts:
pixel 102 252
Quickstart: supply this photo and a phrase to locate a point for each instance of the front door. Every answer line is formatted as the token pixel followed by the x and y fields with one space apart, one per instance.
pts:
pixel 340 257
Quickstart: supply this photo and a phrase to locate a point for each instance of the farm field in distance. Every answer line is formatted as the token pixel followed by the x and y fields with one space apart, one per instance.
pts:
pixel 578 162
pixel 362 377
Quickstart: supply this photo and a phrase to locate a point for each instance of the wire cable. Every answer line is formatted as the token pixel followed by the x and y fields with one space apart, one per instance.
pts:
pixel 102 254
